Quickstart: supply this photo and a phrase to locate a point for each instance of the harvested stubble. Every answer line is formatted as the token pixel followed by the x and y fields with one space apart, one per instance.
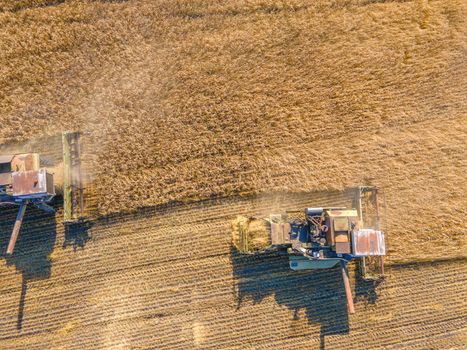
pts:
pixel 168 278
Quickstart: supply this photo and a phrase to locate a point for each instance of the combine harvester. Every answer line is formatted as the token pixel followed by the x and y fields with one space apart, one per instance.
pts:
pixel 23 181
pixel 322 238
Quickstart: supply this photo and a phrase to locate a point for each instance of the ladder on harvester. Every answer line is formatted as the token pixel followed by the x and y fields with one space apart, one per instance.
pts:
pixel 73 194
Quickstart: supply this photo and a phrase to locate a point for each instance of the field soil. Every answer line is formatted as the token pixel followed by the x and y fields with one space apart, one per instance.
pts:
pixel 164 278
pixel 194 112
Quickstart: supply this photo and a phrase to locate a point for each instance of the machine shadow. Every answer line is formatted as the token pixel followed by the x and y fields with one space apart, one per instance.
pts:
pixel 366 290
pixel 320 293
pixel 33 247
pixel 77 234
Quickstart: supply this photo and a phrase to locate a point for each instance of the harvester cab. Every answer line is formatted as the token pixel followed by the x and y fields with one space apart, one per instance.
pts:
pixel 321 238
pixel 23 181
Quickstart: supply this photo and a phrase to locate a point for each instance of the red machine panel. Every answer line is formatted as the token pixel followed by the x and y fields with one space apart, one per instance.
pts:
pixel 368 242
pixel 31 183
pixel 25 162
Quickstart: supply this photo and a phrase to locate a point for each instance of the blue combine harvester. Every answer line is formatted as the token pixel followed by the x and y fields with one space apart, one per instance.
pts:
pixel 322 238
pixel 23 181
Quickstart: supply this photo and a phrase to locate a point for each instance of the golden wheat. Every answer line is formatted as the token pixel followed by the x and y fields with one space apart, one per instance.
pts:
pixel 186 100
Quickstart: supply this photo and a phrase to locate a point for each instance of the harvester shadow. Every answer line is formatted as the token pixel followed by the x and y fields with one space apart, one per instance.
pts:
pixel 33 247
pixel 77 234
pixel 366 290
pixel 320 293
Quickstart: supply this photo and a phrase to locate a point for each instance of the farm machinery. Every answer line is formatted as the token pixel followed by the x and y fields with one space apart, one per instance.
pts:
pixel 321 238
pixel 24 181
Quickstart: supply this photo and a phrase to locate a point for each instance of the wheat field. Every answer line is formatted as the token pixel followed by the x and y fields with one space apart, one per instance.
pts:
pixel 185 102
